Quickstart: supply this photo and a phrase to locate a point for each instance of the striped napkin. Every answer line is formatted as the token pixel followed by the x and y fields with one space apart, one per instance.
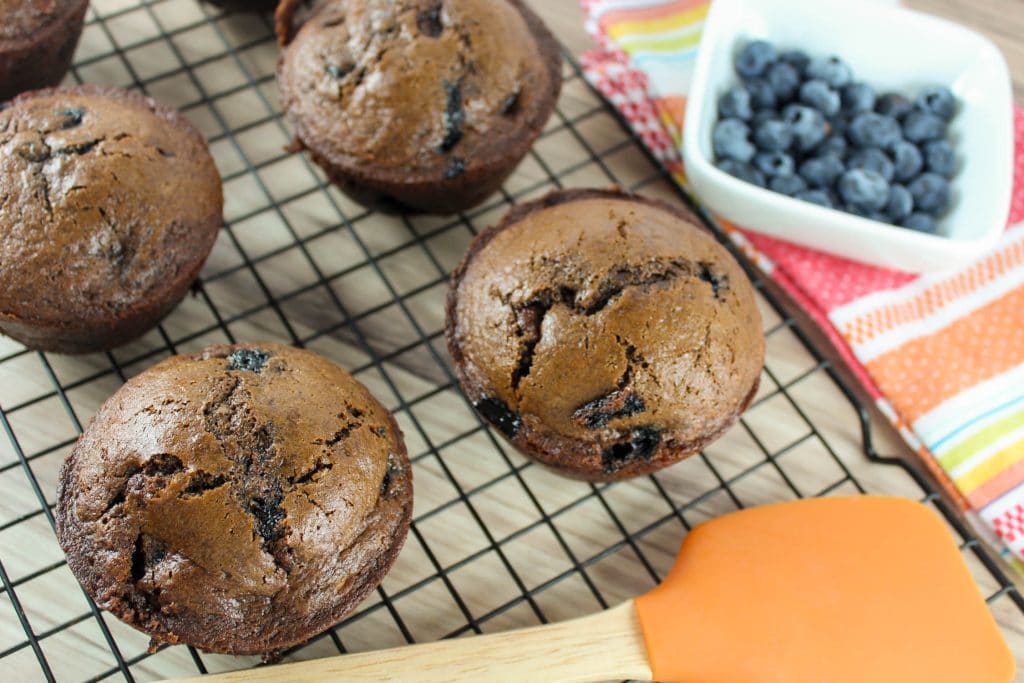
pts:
pixel 941 354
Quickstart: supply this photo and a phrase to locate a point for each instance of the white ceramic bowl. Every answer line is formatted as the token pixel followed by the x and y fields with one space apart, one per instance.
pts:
pixel 893 49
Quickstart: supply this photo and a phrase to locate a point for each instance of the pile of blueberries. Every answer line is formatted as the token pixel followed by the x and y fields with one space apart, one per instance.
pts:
pixel 805 128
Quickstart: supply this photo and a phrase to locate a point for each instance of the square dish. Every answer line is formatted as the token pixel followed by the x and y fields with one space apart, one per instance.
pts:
pixel 892 49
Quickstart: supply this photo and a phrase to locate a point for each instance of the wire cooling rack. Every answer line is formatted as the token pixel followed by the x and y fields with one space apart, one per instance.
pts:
pixel 497 541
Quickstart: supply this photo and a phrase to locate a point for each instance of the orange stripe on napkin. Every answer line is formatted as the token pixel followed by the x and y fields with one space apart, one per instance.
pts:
pixel 924 372
pixel 997 486
pixel 880 320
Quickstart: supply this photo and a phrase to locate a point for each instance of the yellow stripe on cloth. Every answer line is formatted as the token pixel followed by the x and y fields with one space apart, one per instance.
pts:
pixel 1003 460
pixel 670 45
pixel 666 24
pixel 983 437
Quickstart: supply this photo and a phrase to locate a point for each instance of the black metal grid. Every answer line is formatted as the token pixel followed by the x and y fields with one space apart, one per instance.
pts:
pixel 496 541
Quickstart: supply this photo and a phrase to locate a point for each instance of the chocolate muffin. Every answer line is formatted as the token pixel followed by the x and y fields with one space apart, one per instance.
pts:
pixel 605 334
pixel 417 105
pixel 111 204
pixel 37 41
pixel 240 500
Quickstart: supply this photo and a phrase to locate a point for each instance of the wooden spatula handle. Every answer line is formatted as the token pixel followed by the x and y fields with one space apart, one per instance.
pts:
pixel 607 645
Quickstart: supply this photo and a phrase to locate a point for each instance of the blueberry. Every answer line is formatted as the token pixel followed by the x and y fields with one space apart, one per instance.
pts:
pixel 834 144
pixel 787 184
pixel 908 160
pixel 251 360
pixel 858 97
pixel 900 204
pixel 755 58
pixel 870 214
pixel 773 164
pixel 454 116
pixel 864 189
pixel 500 415
pixel 70 118
pixel 938 101
pixel 821 172
pixel 808 125
pixel 762 115
pixel 773 136
pixel 838 124
pixel 874 130
pixel 931 193
pixel 816 93
pixel 761 94
pixel 921 222
pixel 940 157
pixel 832 70
pixel 920 126
pixel 510 105
pixel 742 171
pixel 819 197
pixel 784 79
pixel 643 442
pixel 716 278
pixel 735 104
pixel 268 514
pixel 730 139
pixel 894 105
pixel 598 412
pixel 455 167
pixel 797 59
pixel 429 23
pixel 872 159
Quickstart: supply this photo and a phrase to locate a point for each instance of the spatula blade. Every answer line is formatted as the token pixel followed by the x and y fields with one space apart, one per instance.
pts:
pixel 836 589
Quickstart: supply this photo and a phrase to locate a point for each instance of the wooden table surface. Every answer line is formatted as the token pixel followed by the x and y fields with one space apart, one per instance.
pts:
pixel 489 524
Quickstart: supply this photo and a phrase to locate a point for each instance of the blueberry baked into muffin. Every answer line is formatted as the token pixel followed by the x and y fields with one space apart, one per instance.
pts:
pixel 37 42
pixel 416 105
pixel 604 334
pixel 240 500
pixel 110 205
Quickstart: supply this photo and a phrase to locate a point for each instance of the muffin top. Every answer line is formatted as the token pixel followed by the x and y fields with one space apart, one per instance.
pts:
pixel 23 18
pixel 418 89
pixel 604 332
pixel 105 196
pixel 240 500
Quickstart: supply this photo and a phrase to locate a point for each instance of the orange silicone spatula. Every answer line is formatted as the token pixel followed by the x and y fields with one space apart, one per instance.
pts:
pixel 836 590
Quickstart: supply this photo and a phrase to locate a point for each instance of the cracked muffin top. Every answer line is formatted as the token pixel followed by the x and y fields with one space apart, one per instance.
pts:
pixel 109 204
pixel 240 500
pixel 603 333
pixel 416 89
pixel 21 19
